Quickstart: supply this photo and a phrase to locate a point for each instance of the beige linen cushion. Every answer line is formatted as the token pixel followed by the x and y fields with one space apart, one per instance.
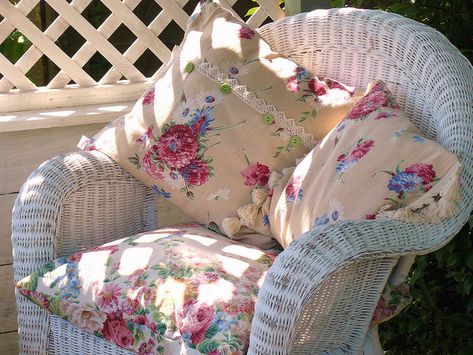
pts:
pixel 373 164
pixel 223 114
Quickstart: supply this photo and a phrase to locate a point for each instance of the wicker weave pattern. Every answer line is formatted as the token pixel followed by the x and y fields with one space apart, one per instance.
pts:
pixel 320 293
pixel 71 203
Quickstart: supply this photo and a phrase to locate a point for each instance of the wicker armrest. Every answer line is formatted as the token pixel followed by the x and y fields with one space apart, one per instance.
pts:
pixel 326 285
pixel 72 202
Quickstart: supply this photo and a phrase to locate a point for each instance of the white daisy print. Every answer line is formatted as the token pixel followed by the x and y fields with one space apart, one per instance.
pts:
pixel 183 112
pixel 335 210
pixel 174 181
pixel 211 97
pixel 223 193
pixel 233 69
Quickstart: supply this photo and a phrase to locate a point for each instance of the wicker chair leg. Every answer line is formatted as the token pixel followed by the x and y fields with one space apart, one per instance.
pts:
pixel 33 327
pixel 372 345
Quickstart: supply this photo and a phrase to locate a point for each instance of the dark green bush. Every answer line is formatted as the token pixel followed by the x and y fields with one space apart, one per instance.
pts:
pixel 454 18
pixel 440 319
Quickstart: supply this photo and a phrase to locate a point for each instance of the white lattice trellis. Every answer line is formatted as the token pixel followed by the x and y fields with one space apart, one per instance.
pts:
pixel 18 93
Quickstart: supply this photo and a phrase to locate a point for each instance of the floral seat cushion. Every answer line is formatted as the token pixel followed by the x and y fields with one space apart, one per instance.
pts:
pixel 180 289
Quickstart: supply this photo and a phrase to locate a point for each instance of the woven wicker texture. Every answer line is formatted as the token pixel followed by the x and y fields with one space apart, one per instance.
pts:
pixel 71 203
pixel 320 293
pixel 65 337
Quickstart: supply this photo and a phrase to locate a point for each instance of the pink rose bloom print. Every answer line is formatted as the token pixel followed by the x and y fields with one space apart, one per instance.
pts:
pixel 292 84
pixel 293 189
pixel 150 166
pixel 177 146
pixel 424 171
pixel 361 149
pixel 334 84
pixel 256 174
pixel 85 318
pixel 149 97
pixel 194 318
pixel 147 348
pixel 195 173
pixel 36 297
pixel 317 87
pixel 107 298
pixel 116 330
pixel 379 96
pixel 246 33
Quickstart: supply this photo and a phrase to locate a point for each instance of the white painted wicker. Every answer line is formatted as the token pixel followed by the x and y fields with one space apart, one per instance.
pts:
pixel 319 295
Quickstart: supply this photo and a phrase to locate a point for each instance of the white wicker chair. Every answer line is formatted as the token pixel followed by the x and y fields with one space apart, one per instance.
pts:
pixel 321 292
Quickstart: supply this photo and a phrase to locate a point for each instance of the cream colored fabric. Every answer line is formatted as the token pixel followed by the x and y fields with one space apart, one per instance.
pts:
pixel 373 164
pixel 218 120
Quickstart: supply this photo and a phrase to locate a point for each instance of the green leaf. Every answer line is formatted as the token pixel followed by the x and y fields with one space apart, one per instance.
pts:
pixel 467 285
pixel 452 260
pixel 469 259
pixel 55 306
pixel 469 307
pixel 337 3
pixel 207 346
pixel 134 160
pixel 165 127
pixel 251 11
pixel 247 160
pixel 211 331
pixel 415 276
pixel 458 276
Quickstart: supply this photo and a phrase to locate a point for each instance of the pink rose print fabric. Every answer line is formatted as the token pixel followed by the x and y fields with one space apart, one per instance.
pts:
pixel 157 291
pixel 378 97
pixel 374 164
pixel 190 134
pixel 256 175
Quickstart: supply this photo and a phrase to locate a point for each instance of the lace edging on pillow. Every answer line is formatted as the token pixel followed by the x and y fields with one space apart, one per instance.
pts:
pixel 260 105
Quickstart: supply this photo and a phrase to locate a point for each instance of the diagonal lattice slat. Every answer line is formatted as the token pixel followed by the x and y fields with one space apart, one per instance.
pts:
pixel 97 41
pixel 87 31
pixel 14 75
pixel 33 54
pixel 86 52
pixel 137 48
pixel 45 44
pixel 140 30
pixel 6 28
pixel 176 12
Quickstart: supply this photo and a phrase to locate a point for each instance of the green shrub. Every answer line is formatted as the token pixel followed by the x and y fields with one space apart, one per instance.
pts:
pixel 440 319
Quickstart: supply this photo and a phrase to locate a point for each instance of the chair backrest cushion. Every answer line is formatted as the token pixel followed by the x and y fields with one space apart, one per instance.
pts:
pixel 374 164
pixel 223 114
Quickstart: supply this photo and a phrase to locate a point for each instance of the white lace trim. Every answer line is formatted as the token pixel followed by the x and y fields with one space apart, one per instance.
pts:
pixel 260 105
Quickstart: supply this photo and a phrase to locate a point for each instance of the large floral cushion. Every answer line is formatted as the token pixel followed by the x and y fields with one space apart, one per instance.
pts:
pixel 375 163
pixel 224 113
pixel 177 289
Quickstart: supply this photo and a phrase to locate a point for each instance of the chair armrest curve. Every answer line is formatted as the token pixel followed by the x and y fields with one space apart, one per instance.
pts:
pixel 299 272
pixel 37 211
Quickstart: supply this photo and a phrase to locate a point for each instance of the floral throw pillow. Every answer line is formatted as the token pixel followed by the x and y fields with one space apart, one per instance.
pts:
pixel 180 289
pixel 375 163
pixel 223 114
